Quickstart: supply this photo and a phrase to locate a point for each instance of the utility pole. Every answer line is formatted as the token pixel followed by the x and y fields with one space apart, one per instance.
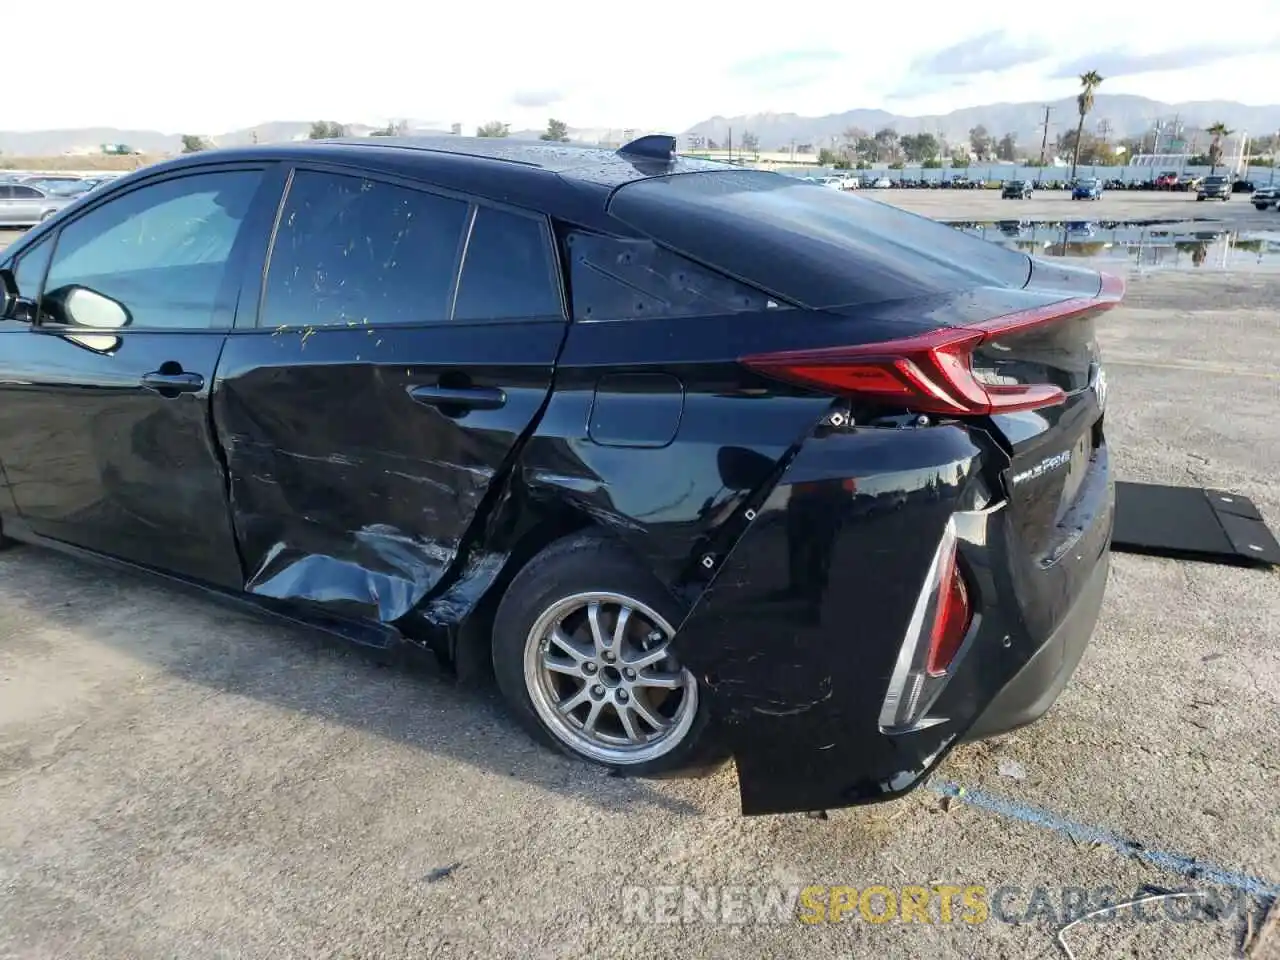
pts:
pixel 1044 142
pixel 731 144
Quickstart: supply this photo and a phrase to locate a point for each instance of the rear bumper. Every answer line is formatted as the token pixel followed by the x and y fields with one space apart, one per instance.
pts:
pixel 795 640
pixel 1036 687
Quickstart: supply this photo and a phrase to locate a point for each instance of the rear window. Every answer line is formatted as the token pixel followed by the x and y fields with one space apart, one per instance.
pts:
pixel 817 247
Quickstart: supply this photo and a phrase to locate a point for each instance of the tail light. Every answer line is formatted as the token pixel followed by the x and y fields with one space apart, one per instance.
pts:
pixel 932 372
pixel 939 625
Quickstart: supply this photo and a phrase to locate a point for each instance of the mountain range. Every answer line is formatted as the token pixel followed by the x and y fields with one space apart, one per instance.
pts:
pixel 1124 114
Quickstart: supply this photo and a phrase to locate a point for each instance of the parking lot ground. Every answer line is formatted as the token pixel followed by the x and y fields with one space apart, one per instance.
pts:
pixel 1058 205
pixel 180 781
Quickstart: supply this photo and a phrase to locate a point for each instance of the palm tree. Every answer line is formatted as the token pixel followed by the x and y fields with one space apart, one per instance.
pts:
pixel 1084 100
pixel 1218 131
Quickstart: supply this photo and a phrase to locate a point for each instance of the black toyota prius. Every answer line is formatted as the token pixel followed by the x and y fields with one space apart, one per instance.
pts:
pixel 700 461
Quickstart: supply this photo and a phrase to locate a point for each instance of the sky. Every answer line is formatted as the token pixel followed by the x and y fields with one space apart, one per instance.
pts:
pixel 213 68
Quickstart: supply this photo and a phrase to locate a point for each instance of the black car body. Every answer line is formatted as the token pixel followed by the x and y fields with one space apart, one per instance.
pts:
pixel 1016 190
pixel 851 460
pixel 1214 188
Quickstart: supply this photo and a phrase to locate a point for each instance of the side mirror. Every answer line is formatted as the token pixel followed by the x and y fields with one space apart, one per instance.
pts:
pixel 79 306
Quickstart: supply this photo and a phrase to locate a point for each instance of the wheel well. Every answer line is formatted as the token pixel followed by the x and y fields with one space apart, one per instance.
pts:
pixel 470 653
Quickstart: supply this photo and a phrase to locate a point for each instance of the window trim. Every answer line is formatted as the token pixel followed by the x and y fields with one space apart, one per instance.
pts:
pixel 224 318
pixel 551 251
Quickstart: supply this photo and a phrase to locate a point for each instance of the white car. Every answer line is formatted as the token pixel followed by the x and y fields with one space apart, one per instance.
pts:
pixel 882 183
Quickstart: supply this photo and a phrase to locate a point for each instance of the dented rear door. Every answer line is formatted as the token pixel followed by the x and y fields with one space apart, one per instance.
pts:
pixel 404 345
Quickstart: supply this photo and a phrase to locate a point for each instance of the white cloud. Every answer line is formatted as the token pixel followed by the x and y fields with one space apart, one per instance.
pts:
pixel 210 69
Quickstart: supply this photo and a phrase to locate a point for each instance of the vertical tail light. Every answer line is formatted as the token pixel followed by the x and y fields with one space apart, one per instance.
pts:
pixel 932 372
pixel 940 622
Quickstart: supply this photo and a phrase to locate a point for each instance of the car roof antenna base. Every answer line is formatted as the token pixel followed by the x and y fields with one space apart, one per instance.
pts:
pixel 655 146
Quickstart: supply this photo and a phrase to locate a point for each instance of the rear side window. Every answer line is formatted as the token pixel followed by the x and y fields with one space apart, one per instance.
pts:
pixel 507 273
pixel 615 279
pixel 818 247
pixel 351 251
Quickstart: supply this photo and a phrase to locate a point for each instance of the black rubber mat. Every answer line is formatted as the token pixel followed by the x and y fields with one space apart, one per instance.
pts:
pixel 1191 522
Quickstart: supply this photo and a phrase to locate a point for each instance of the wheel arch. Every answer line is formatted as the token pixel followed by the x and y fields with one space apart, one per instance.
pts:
pixel 534 526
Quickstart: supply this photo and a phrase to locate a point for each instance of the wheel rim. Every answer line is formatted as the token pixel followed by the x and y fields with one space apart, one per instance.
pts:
pixel 602 678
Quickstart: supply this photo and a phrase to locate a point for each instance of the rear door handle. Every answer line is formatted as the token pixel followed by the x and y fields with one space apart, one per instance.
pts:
pixel 172 384
pixel 468 398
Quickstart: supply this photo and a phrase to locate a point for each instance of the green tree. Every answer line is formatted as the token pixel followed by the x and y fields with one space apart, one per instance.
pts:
pixel 920 147
pixel 326 130
pixel 1007 148
pixel 557 130
pixel 750 142
pixel 980 142
pixel 887 148
pixel 494 128
pixel 828 157
pixel 392 129
pixel 1218 131
pixel 1089 83
pixel 191 143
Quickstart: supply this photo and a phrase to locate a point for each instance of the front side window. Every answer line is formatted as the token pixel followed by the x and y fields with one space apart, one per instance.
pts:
pixel 155 258
pixel 27 193
pixel 30 268
pixel 356 252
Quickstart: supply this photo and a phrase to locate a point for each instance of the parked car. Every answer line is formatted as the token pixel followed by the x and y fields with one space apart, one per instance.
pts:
pixel 1016 190
pixel 1265 197
pixel 75 188
pixel 1214 188
pixel 1167 180
pixel 46 180
pixel 882 183
pixel 446 391
pixel 1087 189
pixel 24 205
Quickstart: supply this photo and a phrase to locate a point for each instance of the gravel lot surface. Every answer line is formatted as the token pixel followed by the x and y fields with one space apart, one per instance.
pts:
pixel 180 781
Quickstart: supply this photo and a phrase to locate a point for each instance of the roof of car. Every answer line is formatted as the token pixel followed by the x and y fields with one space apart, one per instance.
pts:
pixel 564 179
pixel 573 161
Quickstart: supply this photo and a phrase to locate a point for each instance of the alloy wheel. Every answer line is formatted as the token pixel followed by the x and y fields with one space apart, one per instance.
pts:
pixel 601 675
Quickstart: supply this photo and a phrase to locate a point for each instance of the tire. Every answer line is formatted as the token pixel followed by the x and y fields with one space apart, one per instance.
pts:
pixel 1259 206
pixel 561 585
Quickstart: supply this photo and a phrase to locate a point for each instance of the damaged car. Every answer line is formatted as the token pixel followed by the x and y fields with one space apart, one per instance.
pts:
pixel 700 462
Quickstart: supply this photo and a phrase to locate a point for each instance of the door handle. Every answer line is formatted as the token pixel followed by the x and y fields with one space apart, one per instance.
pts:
pixel 465 398
pixel 171 384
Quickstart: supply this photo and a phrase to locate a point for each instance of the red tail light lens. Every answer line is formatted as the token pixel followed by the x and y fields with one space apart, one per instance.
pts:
pixel 932 372
pixel 951 621
pixel 942 619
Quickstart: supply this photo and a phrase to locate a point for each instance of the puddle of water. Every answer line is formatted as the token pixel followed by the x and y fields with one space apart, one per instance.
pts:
pixel 1144 245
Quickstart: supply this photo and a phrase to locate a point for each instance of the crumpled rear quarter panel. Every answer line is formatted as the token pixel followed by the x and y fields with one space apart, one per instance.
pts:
pixel 795 639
